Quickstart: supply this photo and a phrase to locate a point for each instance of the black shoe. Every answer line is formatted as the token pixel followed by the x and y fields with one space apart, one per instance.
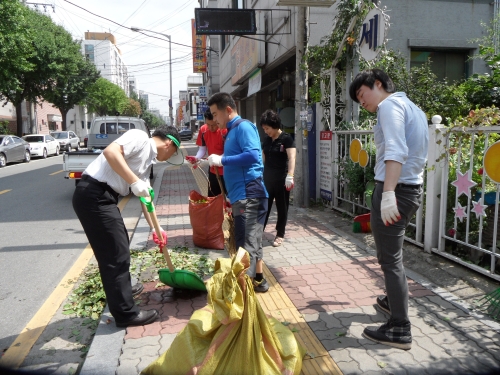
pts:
pixel 137 289
pixel 397 335
pixel 144 317
pixel 260 286
pixel 383 304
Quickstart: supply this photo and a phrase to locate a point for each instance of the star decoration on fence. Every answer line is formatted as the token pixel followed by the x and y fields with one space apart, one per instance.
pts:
pixel 463 183
pixel 460 212
pixel 478 208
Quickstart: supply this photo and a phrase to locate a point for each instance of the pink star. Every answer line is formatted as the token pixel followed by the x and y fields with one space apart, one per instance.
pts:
pixel 478 208
pixel 460 212
pixel 463 183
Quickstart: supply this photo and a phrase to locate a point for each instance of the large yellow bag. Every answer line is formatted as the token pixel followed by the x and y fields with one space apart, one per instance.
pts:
pixel 232 334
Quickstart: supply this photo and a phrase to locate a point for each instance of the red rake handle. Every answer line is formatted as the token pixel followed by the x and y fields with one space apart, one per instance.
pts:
pixel 166 255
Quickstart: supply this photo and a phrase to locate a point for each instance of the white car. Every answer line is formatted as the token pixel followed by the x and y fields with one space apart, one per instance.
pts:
pixel 42 145
pixel 68 140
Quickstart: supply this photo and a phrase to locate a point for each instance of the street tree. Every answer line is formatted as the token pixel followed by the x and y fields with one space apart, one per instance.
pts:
pixel 106 98
pixel 52 53
pixel 152 121
pixel 15 46
pixel 72 88
pixel 132 108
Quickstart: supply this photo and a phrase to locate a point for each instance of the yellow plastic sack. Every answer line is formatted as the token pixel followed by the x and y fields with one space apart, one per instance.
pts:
pixel 232 334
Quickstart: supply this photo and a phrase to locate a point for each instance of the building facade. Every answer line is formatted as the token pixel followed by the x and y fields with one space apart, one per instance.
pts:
pixel 442 30
pixel 101 49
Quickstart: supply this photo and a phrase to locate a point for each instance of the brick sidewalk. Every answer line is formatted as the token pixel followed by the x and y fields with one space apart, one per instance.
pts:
pixel 332 279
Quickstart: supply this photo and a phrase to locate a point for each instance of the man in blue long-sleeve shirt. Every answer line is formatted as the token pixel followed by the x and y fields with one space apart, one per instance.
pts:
pixel 243 174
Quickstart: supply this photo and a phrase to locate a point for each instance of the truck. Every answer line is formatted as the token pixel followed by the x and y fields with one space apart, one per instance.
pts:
pixel 103 131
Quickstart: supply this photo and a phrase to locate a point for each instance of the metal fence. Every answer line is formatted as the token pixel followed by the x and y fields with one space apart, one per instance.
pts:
pixel 349 194
pixel 469 217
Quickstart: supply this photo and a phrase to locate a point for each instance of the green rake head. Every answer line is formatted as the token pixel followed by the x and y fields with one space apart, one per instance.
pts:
pixel 148 201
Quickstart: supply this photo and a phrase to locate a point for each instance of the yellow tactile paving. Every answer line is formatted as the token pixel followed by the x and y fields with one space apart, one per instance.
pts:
pixel 276 303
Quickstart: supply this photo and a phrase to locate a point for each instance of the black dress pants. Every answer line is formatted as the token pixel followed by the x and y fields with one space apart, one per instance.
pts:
pixel 95 205
pixel 275 186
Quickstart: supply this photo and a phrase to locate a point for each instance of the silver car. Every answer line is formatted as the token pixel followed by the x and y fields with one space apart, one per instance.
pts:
pixel 68 140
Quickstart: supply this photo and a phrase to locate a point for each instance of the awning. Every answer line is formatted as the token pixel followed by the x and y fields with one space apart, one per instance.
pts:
pixel 54 118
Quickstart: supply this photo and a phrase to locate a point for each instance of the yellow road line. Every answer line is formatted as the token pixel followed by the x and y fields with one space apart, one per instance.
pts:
pixel 51 174
pixel 5 191
pixel 20 348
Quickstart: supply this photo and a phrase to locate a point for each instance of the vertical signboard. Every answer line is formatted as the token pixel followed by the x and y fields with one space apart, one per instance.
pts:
pixel 201 108
pixel 325 164
pixel 199 50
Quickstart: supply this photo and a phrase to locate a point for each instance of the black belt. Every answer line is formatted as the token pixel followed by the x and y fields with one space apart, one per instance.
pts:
pixel 104 185
pixel 402 185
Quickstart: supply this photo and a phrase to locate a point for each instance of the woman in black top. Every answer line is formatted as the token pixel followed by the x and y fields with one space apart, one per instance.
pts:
pixel 278 151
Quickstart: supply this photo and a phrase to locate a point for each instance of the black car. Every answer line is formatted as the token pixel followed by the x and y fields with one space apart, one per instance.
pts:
pixel 185 134
pixel 13 148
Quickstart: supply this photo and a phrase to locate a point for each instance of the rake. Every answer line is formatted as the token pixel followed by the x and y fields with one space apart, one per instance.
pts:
pixel 490 304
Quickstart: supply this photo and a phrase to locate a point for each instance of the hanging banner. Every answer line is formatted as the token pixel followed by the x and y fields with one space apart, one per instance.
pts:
pixel 254 83
pixel 325 165
pixel 199 50
pixel 246 56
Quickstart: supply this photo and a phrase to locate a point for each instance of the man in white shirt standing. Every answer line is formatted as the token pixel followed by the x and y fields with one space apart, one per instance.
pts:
pixel 401 138
pixel 125 164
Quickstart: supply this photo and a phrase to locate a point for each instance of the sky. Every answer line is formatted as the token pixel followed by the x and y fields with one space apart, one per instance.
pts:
pixel 171 17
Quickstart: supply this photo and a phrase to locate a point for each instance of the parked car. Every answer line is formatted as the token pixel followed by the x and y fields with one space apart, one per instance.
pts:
pixel 105 130
pixel 13 148
pixel 42 145
pixel 185 134
pixel 67 140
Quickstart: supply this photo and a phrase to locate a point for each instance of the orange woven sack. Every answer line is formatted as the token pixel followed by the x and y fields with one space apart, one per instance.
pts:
pixel 206 215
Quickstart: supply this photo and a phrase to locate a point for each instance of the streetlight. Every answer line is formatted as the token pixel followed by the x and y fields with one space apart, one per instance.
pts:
pixel 136 29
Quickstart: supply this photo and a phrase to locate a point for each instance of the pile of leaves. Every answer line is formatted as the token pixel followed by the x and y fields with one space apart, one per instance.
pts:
pixel 181 256
pixel 88 299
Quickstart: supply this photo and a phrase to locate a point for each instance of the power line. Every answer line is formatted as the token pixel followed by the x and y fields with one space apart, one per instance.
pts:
pixel 151 36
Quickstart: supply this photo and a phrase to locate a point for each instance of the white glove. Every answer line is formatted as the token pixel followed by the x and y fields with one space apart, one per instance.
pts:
pixel 289 182
pixel 389 208
pixel 215 160
pixel 141 188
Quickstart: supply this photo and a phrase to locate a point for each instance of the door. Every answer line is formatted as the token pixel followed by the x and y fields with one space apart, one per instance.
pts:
pixel 18 149
pixel 9 148
pixel 51 144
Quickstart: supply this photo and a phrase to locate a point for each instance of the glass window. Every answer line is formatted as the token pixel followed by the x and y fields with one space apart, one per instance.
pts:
pixel 123 127
pixel 17 140
pixel 89 52
pixel 238 4
pixel 34 138
pixel 449 64
pixel 110 128
pixel 60 135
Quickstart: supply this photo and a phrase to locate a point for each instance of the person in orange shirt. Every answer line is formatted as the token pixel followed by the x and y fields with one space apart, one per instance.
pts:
pixel 210 141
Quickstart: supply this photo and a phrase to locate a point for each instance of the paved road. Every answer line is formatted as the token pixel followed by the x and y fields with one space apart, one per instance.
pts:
pixel 40 239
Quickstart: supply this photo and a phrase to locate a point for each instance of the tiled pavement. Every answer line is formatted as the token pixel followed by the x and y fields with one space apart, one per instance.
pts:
pixel 332 280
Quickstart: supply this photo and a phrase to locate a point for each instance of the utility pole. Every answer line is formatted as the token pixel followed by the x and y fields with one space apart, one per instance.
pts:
pixel 301 89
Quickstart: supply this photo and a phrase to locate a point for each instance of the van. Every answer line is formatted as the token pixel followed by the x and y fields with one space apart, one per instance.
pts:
pixel 105 130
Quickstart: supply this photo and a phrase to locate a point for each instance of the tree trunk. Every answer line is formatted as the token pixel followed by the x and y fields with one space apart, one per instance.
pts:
pixel 19 118
pixel 64 113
